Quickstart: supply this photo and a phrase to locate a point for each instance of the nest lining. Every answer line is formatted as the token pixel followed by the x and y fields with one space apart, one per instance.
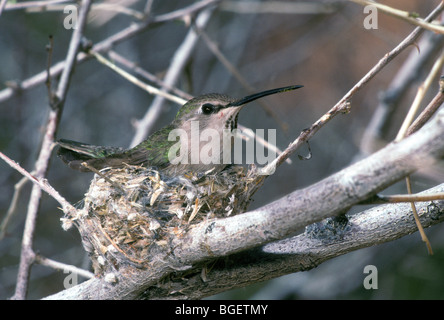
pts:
pixel 129 212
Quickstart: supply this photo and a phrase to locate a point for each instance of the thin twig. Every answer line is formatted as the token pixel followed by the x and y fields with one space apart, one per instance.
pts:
pixel 380 124
pixel 107 179
pixel 13 205
pixel 38 5
pixel 423 88
pixel 402 133
pixel 2 5
pixel 397 198
pixel 417 221
pixel 430 110
pixel 41 183
pixel 148 88
pixel 280 7
pixel 147 75
pixel 48 81
pixel 62 266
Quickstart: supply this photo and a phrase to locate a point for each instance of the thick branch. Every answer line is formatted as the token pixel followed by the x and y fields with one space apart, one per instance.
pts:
pixel 278 220
pixel 319 243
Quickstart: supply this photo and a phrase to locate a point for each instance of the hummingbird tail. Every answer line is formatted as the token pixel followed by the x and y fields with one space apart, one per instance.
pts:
pixel 74 154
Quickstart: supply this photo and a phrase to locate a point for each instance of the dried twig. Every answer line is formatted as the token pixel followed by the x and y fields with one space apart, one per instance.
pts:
pixel 13 205
pixel 423 88
pixel 397 198
pixel 148 88
pixel 147 75
pixel 403 132
pixel 430 110
pixel 62 266
pixel 37 5
pixel 281 7
pixel 375 133
pixel 41 183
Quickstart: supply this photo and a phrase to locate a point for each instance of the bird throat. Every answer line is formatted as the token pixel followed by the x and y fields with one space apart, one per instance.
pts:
pixel 232 122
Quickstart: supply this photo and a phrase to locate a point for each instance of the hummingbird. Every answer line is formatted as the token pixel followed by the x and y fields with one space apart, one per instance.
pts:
pixel 216 111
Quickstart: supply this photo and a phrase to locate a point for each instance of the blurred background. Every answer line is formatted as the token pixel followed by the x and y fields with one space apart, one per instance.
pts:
pixel 322 45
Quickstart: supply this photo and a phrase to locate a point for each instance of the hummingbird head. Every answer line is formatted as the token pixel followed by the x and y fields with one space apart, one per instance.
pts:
pixel 220 111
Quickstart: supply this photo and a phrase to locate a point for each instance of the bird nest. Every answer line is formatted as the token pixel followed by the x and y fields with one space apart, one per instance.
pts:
pixel 131 212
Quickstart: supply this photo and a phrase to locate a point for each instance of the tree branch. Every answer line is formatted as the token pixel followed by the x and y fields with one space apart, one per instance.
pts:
pixel 319 243
pixel 221 237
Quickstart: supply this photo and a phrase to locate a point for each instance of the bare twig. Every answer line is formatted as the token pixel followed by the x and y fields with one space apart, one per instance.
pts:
pixel 416 216
pixel 403 133
pixel 147 75
pixel 12 206
pixel 280 7
pixel 430 110
pixel 375 133
pixel 396 198
pixel 41 5
pixel 148 88
pixel 423 88
pixel 62 266
pixel 2 5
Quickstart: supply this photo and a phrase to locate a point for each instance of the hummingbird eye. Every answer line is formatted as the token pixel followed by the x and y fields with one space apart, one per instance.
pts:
pixel 208 108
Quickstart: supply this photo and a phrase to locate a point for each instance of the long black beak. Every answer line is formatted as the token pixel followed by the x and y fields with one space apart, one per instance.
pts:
pixel 255 96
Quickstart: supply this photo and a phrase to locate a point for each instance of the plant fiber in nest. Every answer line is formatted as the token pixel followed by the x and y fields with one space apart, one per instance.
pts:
pixel 131 213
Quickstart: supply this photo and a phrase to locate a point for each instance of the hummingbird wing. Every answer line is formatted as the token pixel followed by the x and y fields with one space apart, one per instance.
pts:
pixel 74 153
pixel 151 152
